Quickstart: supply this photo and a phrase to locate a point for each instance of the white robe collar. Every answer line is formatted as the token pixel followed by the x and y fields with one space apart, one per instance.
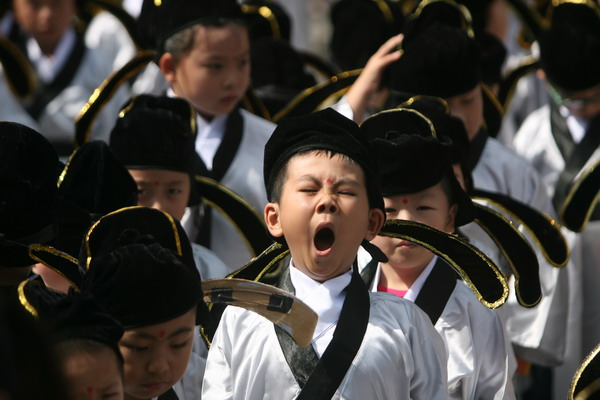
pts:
pixel 48 67
pixel 326 299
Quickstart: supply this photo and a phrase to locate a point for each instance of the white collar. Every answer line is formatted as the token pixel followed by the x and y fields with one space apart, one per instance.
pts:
pixel 577 126
pixel 326 299
pixel 417 285
pixel 48 67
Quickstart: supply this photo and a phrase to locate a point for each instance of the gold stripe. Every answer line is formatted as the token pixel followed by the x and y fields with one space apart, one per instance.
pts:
pixel 417 113
pixel 61 178
pixel 23 299
pixel 447 258
pixel 586 172
pixel 498 243
pixel 526 61
pixel 111 83
pixel 313 89
pixel 386 11
pixel 267 14
pixel 492 98
pixel 585 392
pixel 467 20
pixel 443 103
pixel 175 233
pixel 530 231
pixel 57 253
pixel 24 65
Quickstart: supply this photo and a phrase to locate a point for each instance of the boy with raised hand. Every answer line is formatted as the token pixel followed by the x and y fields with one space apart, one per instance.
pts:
pixel 204 53
pixel 418 184
pixel 561 140
pixel 154 138
pixel 321 179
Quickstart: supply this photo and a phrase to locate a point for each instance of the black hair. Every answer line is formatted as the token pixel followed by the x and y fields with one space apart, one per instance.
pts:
pixel 182 42
pixel 281 177
pixel 71 347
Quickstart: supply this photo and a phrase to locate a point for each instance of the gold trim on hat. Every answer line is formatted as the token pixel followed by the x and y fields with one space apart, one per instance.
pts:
pixel 385 10
pixel 410 110
pixel 467 19
pixel 314 89
pixel 93 107
pixel 556 3
pixel 586 171
pixel 57 253
pixel 443 103
pixel 266 13
pixel 24 301
pixel 65 170
pixel 529 230
pixel 585 393
pixel 24 65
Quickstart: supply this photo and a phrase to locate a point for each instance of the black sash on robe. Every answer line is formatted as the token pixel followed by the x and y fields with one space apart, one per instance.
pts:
pixel 575 155
pixel 436 290
pixel 168 395
pixel 320 378
pixel 234 130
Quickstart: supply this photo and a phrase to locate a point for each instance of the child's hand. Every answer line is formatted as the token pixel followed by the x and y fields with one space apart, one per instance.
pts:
pixel 369 80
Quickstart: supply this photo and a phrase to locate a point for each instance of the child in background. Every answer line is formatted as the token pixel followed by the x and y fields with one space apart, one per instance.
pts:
pixel 325 200
pixel 66 70
pixel 418 184
pixel 154 139
pixel 204 54
pixel 85 339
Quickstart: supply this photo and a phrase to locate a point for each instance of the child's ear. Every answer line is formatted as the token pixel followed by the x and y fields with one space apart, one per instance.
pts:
pixel 376 219
pixel 167 67
pixel 272 219
pixel 451 218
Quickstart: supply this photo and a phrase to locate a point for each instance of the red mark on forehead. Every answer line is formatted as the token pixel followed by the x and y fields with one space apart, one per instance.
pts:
pixel 404 201
pixel 161 334
pixel 89 390
pixel 328 181
pixel 156 183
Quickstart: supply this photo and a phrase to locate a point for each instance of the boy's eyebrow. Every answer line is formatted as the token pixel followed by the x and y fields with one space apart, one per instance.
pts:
pixel 342 181
pixel 145 335
pixel 179 332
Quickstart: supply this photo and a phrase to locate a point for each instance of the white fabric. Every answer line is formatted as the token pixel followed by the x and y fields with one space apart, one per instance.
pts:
pixel 133 7
pixel 208 263
pixel 415 289
pixel 536 143
pixel 401 357
pixel 106 33
pixel 209 138
pixel 480 358
pixel 244 177
pixel 326 299
pixel 47 67
pixel 57 120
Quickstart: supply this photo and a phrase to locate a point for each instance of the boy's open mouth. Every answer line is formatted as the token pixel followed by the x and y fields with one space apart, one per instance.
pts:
pixel 324 239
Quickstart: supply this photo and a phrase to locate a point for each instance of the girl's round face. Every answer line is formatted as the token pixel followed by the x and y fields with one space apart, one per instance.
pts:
pixel 94 376
pixel 157 356
pixel 45 20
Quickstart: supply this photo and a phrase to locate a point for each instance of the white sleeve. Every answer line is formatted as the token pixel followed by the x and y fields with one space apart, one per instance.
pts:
pixel 217 382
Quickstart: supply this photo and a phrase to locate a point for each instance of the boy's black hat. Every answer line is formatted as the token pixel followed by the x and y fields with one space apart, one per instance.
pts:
pixel 323 130
pixel 156 132
pixel 29 168
pixel 569 48
pixel 413 160
pixel 161 19
pixel 266 18
pixel 145 252
pixel 360 27
pixel 92 184
pixel 441 61
pixel 71 317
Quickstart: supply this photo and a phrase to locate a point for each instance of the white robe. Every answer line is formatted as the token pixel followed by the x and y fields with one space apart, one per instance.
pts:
pixel 208 263
pixel 401 357
pixel 245 177
pixel 480 359
pixel 536 143
pixel 107 33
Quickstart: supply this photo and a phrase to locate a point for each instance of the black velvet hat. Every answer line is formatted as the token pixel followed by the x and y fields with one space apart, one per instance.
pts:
pixel 156 132
pixel 441 61
pixel 92 184
pixel 159 20
pixel 436 110
pixel 447 12
pixel 71 317
pixel 140 266
pixel 321 130
pixel 360 27
pixel 410 122
pixel 29 168
pixel 412 163
pixel 569 48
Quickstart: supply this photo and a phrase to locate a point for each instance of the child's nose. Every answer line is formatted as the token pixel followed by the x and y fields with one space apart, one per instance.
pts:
pixel 326 206
pixel 158 365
